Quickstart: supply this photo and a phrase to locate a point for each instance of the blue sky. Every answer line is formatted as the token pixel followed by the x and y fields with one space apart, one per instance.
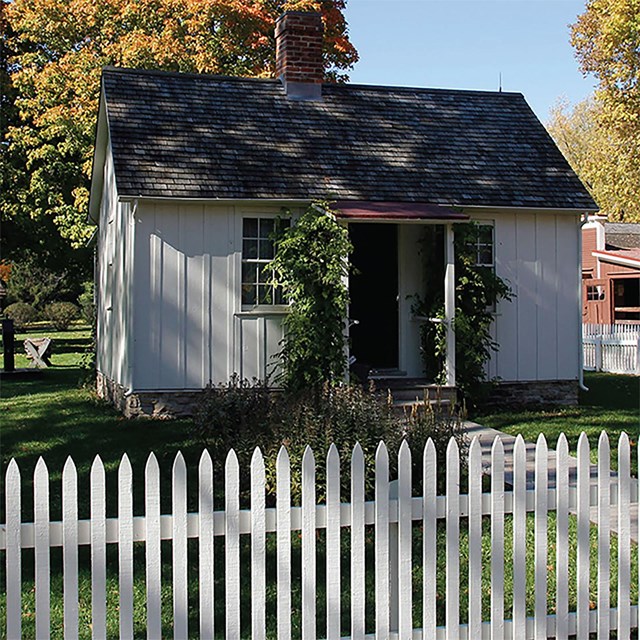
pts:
pixel 467 44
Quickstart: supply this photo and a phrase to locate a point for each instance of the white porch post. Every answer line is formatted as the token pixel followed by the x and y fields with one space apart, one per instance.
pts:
pixel 450 304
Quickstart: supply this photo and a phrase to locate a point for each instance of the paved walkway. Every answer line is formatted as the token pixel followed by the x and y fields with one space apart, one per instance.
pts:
pixel 487 435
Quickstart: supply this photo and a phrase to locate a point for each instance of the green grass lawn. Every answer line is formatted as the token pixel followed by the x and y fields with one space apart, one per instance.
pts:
pixel 612 404
pixel 53 417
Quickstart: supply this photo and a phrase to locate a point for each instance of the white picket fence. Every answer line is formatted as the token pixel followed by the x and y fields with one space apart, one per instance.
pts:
pixel 612 348
pixel 395 517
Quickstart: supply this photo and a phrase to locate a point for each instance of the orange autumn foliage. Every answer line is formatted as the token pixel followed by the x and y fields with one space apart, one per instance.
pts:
pixel 62 45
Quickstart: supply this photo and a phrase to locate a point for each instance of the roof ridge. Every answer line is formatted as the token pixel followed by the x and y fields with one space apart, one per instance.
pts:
pixel 329 85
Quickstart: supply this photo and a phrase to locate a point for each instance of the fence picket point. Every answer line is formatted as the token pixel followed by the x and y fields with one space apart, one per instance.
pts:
pixel 583 525
pixel 357 545
pixel 205 545
pixel 562 538
pixel 13 509
pixel 232 546
pixel 624 538
pixel 283 543
pixel 153 560
pixel 308 545
pixel 519 536
pixel 452 524
pixel 541 544
pixel 604 537
pixel 70 548
pixel 42 559
pixel 98 551
pixel 429 551
pixel 333 543
pixel 179 548
pixel 125 547
pixel 258 547
pixel 497 540
pixel 405 603
pixel 382 541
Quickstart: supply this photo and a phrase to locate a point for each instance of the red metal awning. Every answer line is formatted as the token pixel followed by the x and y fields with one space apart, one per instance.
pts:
pixel 363 210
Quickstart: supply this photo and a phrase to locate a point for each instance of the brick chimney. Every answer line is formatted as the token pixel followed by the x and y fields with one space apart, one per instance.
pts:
pixel 299 54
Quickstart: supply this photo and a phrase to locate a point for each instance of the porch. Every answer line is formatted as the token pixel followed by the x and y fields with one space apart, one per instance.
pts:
pixel 386 280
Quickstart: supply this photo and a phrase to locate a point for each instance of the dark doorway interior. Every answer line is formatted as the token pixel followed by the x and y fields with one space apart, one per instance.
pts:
pixel 373 288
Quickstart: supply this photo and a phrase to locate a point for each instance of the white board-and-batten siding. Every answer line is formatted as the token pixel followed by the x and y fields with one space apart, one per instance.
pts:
pixel 170 314
pixel 114 283
pixel 539 330
pixel 189 325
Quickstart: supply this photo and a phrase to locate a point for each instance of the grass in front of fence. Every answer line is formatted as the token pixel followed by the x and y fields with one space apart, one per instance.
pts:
pixel 139 621
pixel 612 403
pixel 53 416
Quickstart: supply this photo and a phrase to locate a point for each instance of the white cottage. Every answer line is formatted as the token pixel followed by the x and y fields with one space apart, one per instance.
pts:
pixel 191 170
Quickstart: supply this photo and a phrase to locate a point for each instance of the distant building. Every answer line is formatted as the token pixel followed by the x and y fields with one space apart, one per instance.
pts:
pixel 610 272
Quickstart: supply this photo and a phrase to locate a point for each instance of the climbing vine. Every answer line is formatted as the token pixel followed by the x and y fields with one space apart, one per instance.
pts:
pixel 311 266
pixel 478 290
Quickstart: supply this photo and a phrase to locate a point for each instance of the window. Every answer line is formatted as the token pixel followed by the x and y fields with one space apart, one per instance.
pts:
pixel 484 246
pixel 257 252
pixel 595 292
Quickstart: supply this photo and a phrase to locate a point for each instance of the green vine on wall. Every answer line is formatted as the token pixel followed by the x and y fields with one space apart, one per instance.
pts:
pixel 311 266
pixel 478 290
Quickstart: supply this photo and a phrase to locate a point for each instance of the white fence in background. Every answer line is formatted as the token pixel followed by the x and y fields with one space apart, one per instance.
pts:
pixel 394 518
pixel 612 348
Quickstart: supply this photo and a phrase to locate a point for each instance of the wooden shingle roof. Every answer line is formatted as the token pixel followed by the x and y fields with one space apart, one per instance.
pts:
pixel 201 136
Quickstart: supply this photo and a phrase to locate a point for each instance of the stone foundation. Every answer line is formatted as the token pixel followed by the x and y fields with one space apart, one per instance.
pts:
pixel 541 392
pixel 147 404
pixel 180 404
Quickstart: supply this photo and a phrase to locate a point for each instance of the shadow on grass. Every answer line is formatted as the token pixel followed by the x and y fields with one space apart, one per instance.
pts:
pixel 54 418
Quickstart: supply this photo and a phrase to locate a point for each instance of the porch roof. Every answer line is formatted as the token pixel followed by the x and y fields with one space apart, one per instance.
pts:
pixel 364 210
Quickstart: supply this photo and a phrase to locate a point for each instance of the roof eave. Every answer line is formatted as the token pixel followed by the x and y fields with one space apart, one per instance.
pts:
pixel 99 158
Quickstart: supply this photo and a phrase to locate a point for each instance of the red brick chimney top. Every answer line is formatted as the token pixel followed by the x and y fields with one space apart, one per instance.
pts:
pixel 299 54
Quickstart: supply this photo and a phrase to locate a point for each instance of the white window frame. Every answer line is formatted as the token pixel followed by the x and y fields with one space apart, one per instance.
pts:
pixel 259 261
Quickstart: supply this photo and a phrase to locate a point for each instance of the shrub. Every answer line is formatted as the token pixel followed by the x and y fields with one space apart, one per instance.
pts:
pixel 61 314
pixel 86 303
pixel 243 415
pixel 21 313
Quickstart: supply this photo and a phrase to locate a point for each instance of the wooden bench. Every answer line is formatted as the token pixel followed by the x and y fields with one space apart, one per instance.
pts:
pixel 38 351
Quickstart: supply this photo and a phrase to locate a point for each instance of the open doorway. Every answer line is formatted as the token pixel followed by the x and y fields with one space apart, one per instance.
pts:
pixel 373 289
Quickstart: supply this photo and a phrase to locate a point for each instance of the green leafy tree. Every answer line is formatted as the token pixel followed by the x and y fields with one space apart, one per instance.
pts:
pixel 54 51
pixel 311 266
pixel 606 38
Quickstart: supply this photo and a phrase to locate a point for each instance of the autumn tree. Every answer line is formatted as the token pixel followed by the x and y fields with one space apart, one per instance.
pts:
pixel 590 150
pixel 55 50
pixel 606 38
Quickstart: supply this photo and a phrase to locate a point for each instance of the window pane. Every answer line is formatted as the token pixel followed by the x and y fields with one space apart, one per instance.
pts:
pixel 264 294
pixel 485 234
pixel 485 255
pixel 263 274
pixel 249 272
pixel 279 296
pixel 248 294
pixel 266 249
pixel 266 227
pixel 249 249
pixel 250 227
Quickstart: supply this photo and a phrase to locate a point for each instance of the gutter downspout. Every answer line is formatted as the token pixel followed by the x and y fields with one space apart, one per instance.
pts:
pixel 584 219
